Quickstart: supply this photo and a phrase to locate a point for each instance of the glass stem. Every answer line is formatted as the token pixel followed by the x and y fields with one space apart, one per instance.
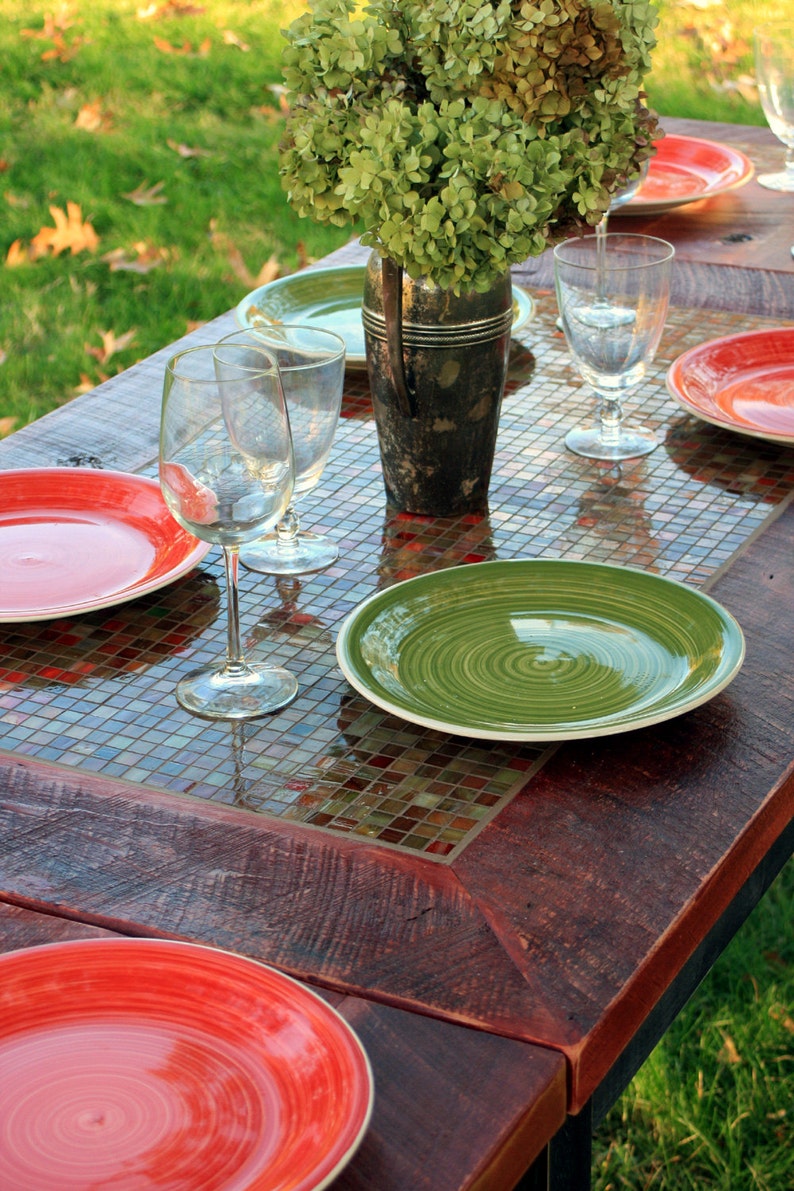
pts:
pixel 287 530
pixel 610 415
pixel 790 166
pixel 235 662
pixel 601 249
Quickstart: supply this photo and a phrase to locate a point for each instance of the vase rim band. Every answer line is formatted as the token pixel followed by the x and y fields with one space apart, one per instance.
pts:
pixel 424 335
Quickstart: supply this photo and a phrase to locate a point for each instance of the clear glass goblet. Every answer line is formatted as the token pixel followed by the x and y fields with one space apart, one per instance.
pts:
pixel 312 366
pixel 774 73
pixel 618 200
pixel 613 300
pixel 227 473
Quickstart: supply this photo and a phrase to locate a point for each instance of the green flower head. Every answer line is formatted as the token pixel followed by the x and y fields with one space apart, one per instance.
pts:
pixel 465 135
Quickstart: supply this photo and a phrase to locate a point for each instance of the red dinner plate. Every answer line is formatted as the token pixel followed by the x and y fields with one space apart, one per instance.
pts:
pixel 144 1064
pixel 743 382
pixel 685 169
pixel 75 539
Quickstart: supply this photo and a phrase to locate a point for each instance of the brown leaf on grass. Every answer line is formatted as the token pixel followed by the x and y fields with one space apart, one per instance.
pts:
pixel 186 48
pixel 728 1052
pixel 270 270
pixel 53 25
pixel 186 151
pixel 111 344
pixel 145 195
pixel 146 258
pixel 266 112
pixel 61 50
pixel 70 231
pixel 53 30
pixel 92 118
pixel 230 38
pixel 225 245
pixel 18 254
pixel 7 425
pixel 778 1013
pixel 172 8
pixel 165 47
pixel 4 165
pixel 87 383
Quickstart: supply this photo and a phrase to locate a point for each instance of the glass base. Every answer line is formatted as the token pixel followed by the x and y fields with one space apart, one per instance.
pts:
pixel 782 181
pixel 627 444
pixel 273 555
pixel 220 693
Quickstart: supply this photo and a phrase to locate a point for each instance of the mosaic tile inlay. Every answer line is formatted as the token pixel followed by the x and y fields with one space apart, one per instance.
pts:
pixel 96 692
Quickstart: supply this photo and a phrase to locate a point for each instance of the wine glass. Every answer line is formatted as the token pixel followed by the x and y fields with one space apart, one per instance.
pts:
pixel 774 73
pixel 613 304
pixel 227 473
pixel 312 366
pixel 618 200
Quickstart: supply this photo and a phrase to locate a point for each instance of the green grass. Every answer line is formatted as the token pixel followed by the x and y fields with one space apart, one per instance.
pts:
pixel 712 1106
pixel 225 214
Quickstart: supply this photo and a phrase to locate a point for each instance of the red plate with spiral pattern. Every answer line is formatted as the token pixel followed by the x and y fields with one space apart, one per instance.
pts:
pixel 141 1064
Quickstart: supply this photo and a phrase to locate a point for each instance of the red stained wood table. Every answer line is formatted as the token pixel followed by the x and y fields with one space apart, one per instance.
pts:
pixel 510 928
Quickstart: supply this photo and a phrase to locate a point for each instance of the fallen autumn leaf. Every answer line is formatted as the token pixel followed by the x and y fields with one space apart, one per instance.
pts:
pixel 70 232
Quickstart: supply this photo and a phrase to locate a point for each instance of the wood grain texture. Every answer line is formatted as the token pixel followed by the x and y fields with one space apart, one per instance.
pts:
pixel 450 1107
pixel 339 911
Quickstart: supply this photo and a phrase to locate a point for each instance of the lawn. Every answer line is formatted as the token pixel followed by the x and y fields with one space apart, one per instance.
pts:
pixel 140 196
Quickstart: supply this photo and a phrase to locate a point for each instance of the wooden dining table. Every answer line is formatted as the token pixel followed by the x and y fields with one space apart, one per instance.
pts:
pixel 509 926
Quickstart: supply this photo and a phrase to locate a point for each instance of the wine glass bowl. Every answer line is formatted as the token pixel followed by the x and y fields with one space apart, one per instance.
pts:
pixel 227 473
pixel 612 292
pixel 774 73
pixel 311 362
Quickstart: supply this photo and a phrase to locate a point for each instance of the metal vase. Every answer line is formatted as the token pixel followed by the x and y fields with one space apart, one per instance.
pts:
pixel 437 365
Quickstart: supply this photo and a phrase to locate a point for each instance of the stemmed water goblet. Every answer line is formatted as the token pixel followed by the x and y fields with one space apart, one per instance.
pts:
pixel 774 73
pixel 618 200
pixel 227 473
pixel 311 361
pixel 613 303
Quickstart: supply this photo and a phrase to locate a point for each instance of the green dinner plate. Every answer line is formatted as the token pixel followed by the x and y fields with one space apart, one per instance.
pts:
pixel 331 298
pixel 539 649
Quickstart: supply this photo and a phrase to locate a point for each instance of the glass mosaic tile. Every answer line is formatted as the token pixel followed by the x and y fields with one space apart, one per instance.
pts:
pixel 97 692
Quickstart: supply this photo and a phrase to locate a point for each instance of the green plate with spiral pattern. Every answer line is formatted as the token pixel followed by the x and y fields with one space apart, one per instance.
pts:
pixel 536 649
